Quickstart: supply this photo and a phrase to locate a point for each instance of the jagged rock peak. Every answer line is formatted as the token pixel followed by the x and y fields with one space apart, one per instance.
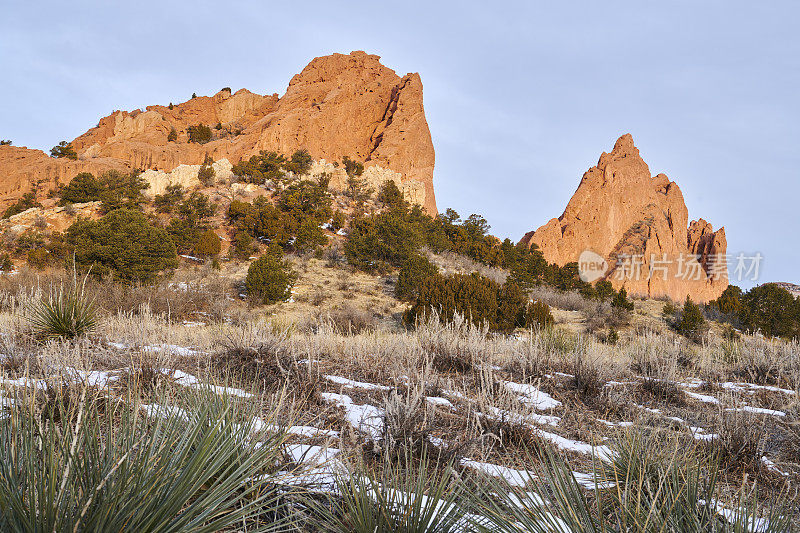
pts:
pixel 623 214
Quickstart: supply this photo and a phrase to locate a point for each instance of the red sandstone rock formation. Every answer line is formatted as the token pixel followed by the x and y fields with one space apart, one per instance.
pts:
pixel 639 224
pixel 339 105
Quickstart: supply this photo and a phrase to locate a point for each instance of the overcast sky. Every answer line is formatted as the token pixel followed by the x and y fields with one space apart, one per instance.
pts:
pixel 521 97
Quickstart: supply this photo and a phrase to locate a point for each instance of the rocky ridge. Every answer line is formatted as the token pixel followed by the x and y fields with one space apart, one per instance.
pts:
pixel 339 105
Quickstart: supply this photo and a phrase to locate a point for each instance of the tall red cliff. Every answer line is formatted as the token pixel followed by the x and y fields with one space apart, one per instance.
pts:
pixel 639 225
pixel 339 105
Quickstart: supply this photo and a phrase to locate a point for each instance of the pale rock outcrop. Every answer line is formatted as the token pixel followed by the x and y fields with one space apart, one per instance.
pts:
pixel 639 224
pixel 374 177
pixel 339 105
pixel 184 175
pixel 48 218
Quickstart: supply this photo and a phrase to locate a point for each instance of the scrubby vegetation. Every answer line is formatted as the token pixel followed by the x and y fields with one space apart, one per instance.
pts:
pixel 27 201
pixel 123 244
pixel 116 190
pixel 292 222
pixel 271 167
pixel 327 380
pixel 206 173
pixel 64 149
pixel 480 300
pixel 769 309
pixel 269 278
pixel 265 425
pixel 199 133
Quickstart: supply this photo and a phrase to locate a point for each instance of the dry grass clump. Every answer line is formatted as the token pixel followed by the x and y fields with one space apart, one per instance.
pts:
pixel 654 355
pixel 348 319
pixel 530 357
pixel 768 362
pixel 457 346
pixel 145 373
pixel 662 390
pixel 261 355
pixel 173 300
pixel 453 263
pixel 567 300
pixel 406 427
pixel 605 317
pixel 741 441
pixel 790 446
pixel 588 375
pixel 202 297
pixel 19 349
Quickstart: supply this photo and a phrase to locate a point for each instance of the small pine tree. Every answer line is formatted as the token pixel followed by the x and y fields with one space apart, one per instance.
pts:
pixel 270 278
pixel 206 173
pixel 353 168
pixel 691 324
pixel 194 95
pixel 83 188
pixel 169 200
pixel 512 303
pixel 171 106
pixel 6 265
pixel 64 149
pixel 38 258
pixel 771 309
pixel 208 245
pixel 604 289
pixel 391 196
pixel 538 314
pixel 730 301
pixel 300 162
pixel 124 244
pixel 27 201
pixel 338 221
pixel 415 270
pixel 173 135
pixel 309 236
pixel 621 301
pixel 357 188
pixel 243 246
pixel 199 133
pixel 5 142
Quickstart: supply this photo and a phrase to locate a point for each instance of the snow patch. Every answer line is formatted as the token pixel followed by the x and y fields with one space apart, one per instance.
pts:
pixel 351 384
pixel 365 418
pixel 532 396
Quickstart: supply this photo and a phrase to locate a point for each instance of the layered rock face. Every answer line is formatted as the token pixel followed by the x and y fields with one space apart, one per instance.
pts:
pixel 339 105
pixel 638 224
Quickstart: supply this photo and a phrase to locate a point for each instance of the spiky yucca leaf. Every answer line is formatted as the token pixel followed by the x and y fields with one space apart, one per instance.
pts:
pixel 114 468
pixel 67 314
pixel 644 489
pixel 396 500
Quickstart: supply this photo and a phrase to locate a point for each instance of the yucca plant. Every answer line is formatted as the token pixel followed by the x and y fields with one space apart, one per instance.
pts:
pixel 645 489
pixel 65 313
pixel 396 500
pixel 112 467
